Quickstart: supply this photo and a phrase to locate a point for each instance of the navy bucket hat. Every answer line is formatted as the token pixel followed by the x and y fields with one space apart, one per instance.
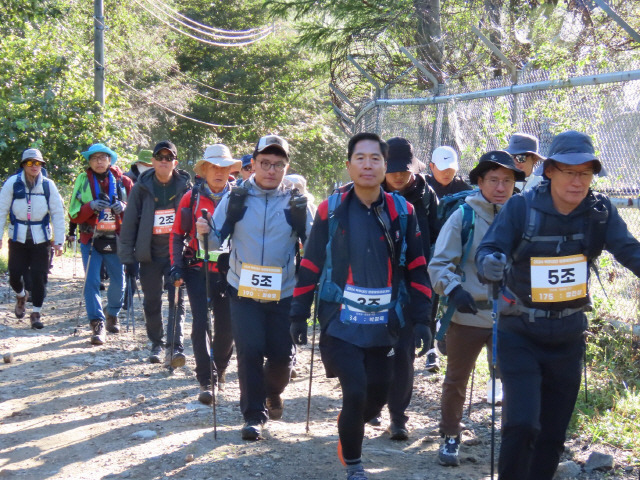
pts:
pixel 491 160
pixel 573 148
pixel 523 143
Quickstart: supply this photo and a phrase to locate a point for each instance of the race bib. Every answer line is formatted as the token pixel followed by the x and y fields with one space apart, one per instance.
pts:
pixel 260 283
pixel 107 223
pixel 558 279
pixel 163 221
pixel 365 296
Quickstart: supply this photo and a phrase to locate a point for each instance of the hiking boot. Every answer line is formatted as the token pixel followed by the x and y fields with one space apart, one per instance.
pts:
pixel 251 430
pixel 36 323
pixel 174 361
pixel 449 451
pixel 398 431
pixel 376 421
pixel 275 406
pixel 156 350
pixel 433 363
pixel 206 395
pixel 498 392
pixel 112 324
pixel 99 333
pixel 357 474
pixel 21 305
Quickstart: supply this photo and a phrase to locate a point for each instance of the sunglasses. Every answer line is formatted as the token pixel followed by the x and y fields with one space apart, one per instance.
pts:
pixel 33 163
pixel 164 158
pixel 520 157
pixel 247 168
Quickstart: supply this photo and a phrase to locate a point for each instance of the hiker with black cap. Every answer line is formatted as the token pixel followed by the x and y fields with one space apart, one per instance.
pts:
pixel 540 249
pixel 188 268
pixel 246 169
pixel 97 203
pixel 144 240
pixel 402 176
pixel 365 256
pixel 264 220
pixel 32 203
pixel 524 149
pixel 453 274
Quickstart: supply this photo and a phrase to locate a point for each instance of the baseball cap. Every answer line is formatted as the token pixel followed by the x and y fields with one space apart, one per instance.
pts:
pixel 272 141
pixel 32 153
pixel 246 160
pixel 492 159
pixel 165 144
pixel 573 148
pixel 445 157
pixel 400 157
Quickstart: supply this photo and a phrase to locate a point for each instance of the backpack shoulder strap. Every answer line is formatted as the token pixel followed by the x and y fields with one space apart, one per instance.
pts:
pixel 466 236
pixel 401 207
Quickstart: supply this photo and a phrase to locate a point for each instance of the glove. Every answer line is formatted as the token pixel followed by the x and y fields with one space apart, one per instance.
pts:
pixel 117 207
pixel 423 337
pixel 493 266
pixel 298 209
pixel 99 204
pixel 235 207
pixel 298 331
pixel 131 269
pixel 462 300
pixel 175 273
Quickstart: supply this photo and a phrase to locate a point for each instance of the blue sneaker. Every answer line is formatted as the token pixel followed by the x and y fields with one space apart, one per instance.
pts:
pixel 357 475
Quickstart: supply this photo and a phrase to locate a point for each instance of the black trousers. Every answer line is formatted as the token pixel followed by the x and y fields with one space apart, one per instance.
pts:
pixel 401 386
pixel 29 260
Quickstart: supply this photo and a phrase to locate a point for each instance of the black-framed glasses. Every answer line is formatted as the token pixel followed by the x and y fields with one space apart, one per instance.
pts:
pixel 587 175
pixel 33 163
pixel 520 157
pixel 266 166
pixel 164 158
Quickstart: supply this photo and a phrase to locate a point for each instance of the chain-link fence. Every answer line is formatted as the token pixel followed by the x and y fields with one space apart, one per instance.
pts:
pixel 476 117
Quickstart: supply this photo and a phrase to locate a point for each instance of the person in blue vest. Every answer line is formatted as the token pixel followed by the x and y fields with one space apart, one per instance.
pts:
pixel 32 203
pixel 540 248
pixel 365 250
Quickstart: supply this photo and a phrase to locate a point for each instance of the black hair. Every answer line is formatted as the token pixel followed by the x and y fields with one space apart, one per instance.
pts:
pixel 274 150
pixel 358 137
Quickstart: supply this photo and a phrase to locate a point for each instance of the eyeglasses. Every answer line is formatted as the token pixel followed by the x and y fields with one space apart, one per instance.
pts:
pixel 494 182
pixel 247 168
pixel 165 158
pixel 266 166
pixel 520 157
pixel 33 163
pixel 571 175
pixel 99 157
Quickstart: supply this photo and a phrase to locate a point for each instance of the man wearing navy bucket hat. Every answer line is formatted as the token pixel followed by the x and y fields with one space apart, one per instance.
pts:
pixel 540 248
pixel 97 205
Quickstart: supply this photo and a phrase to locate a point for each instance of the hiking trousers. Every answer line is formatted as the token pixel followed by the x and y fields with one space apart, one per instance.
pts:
pixel 401 386
pixel 115 293
pixel 541 364
pixel 29 267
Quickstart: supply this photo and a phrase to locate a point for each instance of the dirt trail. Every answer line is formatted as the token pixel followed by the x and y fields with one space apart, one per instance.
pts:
pixel 69 410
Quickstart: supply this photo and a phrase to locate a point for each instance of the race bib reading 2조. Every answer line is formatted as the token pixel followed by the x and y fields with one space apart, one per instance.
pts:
pixel 260 283
pixel 558 279
pixel 163 221
pixel 365 296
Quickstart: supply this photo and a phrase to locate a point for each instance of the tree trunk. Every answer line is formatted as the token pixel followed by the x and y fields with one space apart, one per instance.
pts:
pixel 429 36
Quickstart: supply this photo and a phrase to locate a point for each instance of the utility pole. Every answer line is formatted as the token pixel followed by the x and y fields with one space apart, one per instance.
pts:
pixel 98 51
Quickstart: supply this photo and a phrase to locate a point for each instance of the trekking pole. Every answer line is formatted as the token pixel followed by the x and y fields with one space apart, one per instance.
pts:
pixel 494 350
pixel 176 298
pixel 473 376
pixel 586 395
pixel 210 321
pixel 129 302
pixel 313 345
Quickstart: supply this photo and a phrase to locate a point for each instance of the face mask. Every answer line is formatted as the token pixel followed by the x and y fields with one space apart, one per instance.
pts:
pixel 143 168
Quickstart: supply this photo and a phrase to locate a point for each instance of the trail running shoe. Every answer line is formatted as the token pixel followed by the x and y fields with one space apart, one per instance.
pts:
pixel 449 451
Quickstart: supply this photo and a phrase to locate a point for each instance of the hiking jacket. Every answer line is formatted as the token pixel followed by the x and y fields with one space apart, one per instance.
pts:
pixel 39 210
pixel 134 242
pixel 84 192
pixel 263 236
pixel 506 233
pixel 456 185
pixel 443 267
pixel 312 265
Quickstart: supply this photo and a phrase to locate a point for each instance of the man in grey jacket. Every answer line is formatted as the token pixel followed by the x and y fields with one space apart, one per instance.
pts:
pixel 265 219
pixel 144 238
pixel 470 327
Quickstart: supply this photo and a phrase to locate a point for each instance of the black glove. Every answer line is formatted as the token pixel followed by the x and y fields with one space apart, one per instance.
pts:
pixel 298 331
pixel 98 204
pixel 493 266
pixel 131 269
pixel 235 207
pixel 423 337
pixel 175 273
pixel 298 209
pixel 462 300
pixel 117 207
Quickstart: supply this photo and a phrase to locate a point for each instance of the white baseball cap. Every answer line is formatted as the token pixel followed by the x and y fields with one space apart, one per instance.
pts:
pixel 445 157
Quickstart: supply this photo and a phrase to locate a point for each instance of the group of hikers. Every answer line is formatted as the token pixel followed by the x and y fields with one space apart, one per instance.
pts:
pixel 507 255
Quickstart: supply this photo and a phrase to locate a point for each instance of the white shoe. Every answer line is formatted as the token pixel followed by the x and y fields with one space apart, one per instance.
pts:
pixel 498 392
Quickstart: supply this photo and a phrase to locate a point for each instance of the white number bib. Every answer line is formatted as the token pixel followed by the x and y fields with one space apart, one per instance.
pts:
pixel 108 222
pixel 260 283
pixel 365 296
pixel 558 279
pixel 163 221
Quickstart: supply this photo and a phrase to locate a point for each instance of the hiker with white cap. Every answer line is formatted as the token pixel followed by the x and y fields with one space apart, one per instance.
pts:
pixel 444 168
pixel 144 240
pixel 540 249
pixel 264 220
pixel 187 267
pixel 32 203
pixel 524 149
pixel 97 204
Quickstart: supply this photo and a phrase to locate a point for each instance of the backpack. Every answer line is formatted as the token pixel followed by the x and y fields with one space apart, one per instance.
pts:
pixel 20 192
pixel 330 291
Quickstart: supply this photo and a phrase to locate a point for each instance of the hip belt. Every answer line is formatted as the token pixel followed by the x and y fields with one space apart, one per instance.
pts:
pixel 534 313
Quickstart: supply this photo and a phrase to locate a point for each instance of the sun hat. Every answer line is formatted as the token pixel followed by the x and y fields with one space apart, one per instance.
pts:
pixel 144 157
pixel 217 154
pixel 101 148
pixel 523 143
pixel 490 160
pixel 573 148
pixel 32 153
pixel 444 158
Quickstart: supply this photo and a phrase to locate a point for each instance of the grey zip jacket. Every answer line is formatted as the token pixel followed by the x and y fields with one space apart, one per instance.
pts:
pixel 448 253
pixel 263 236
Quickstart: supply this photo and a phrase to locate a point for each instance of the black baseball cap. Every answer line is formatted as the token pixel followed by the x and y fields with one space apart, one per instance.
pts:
pixel 165 144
